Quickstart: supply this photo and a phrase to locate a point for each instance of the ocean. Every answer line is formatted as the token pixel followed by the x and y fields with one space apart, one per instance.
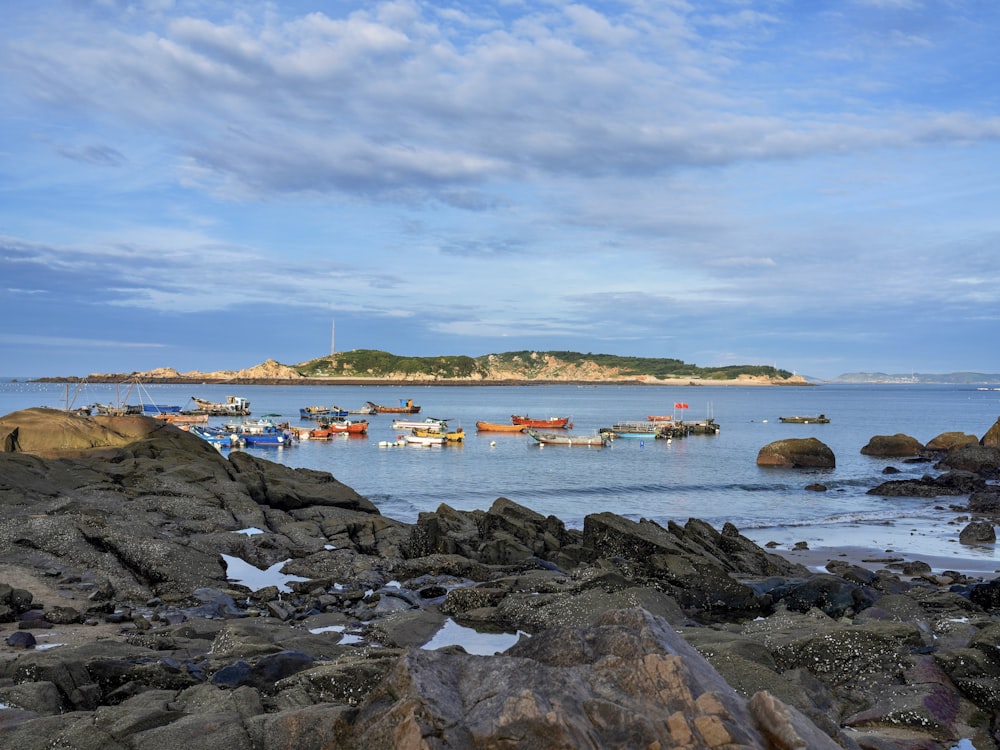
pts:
pixel 711 477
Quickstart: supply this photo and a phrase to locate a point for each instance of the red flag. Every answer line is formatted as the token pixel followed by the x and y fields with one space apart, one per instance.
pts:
pixel 680 406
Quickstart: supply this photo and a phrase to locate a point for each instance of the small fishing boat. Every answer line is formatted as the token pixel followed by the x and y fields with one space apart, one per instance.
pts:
pixel 544 424
pixel 217 436
pixel 821 419
pixel 233 406
pixel 366 410
pixel 554 438
pixel 497 427
pixel 339 425
pixel 261 432
pixel 425 440
pixel 315 412
pixel 149 409
pixel 450 436
pixel 634 430
pixel 406 406
pixel 436 425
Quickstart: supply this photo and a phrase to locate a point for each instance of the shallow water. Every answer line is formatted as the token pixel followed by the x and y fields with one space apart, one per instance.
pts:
pixel 711 477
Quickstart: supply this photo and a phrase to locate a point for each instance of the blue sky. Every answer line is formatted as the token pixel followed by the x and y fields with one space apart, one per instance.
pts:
pixel 206 185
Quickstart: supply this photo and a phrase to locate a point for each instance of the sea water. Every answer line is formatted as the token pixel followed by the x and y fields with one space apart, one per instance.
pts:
pixel 711 477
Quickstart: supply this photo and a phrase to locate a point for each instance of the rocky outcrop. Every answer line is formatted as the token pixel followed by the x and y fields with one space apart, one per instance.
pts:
pixel 631 633
pixel 947 441
pixel 992 436
pixel 892 446
pixel 797 453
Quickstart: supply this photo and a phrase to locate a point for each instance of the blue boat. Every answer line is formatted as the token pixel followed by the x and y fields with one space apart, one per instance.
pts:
pixel 160 409
pixel 261 432
pixel 217 436
pixel 315 412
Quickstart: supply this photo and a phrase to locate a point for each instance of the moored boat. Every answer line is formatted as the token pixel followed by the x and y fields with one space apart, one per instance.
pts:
pixel 233 406
pixel 344 426
pixel 425 440
pixel 821 419
pixel 430 423
pixel 450 436
pixel 217 436
pixel 261 432
pixel 634 430
pixel 406 406
pixel 315 412
pixel 498 427
pixel 150 409
pixel 555 438
pixel 544 424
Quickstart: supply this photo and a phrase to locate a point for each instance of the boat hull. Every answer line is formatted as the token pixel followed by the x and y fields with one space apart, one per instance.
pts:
pixel 821 419
pixel 588 441
pixel 552 423
pixel 497 427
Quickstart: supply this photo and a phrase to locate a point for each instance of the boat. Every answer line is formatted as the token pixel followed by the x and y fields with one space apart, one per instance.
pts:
pixel 436 425
pixel 406 406
pixel 634 430
pixel 315 412
pixel 545 424
pixel 121 410
pixel 565 438
pixel 217 436
pixel 821 419
pixel 159 409
pixel 366 410
pixel 425 440
pixel 498 427
pixel 261 432
pixel 339 425
pixel 233 406
pixel 450 436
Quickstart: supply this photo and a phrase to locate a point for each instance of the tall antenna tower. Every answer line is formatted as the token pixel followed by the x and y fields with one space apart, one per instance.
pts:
pixel 333 338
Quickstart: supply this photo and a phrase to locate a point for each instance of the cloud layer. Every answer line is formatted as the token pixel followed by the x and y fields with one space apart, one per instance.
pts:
pixel 202 185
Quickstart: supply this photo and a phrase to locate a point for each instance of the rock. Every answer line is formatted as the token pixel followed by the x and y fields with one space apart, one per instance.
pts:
pixel 992 436
pixel 950 483
pixel 978 459
pixel 797 453
pixel 947 441
pixel 631 681
pixel 892 446
pixel 978 532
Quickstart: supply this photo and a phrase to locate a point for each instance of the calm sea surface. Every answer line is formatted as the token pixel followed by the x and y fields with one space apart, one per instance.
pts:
pixel 712 477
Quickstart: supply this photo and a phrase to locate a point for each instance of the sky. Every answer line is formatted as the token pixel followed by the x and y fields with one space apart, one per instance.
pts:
pixel 204 185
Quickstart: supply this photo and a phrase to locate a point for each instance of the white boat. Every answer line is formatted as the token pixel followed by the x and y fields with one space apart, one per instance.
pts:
pixel 425 440
pixel 429 424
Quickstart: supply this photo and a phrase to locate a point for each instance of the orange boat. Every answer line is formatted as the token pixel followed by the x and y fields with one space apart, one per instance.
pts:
pixel 343 426
pixel 545 424
pixel 661 418
pixel 496 427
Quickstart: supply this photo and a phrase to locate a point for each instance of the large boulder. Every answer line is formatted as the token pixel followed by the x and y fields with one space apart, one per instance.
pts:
pixel 979 459
pixel 947 441
pixel 797 453
pixel 892 446
pixel 992 436
pixel 631 681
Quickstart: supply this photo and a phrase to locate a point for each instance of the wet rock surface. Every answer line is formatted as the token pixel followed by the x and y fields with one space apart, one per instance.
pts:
pixel 619 634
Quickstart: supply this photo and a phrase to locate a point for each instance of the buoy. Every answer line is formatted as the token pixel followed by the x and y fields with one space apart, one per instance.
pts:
pixel 493 444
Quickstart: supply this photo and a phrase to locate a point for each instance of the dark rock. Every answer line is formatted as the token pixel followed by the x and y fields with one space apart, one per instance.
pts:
pixel 20 639
pixel 992 437
pixel 978 459
pixel 797 453
pixel 892 446
pixel 978 532
pixel 986 501
pixel 830 594
pixel 816 487
pixel 949 484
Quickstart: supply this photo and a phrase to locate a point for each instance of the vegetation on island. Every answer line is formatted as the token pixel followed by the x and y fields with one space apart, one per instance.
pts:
pixel 372 363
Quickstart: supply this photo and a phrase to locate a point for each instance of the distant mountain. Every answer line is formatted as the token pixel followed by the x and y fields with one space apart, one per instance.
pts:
pixel 950 378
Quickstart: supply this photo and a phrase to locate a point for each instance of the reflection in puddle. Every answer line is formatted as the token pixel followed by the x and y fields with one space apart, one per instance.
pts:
pixel 347 639
pixel 474 642
pixel 256 579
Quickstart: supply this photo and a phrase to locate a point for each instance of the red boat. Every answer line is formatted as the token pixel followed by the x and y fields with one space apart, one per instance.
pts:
pixel 545 424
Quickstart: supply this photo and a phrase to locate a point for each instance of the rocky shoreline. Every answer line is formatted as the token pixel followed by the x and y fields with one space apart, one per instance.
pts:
pixel 113 533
